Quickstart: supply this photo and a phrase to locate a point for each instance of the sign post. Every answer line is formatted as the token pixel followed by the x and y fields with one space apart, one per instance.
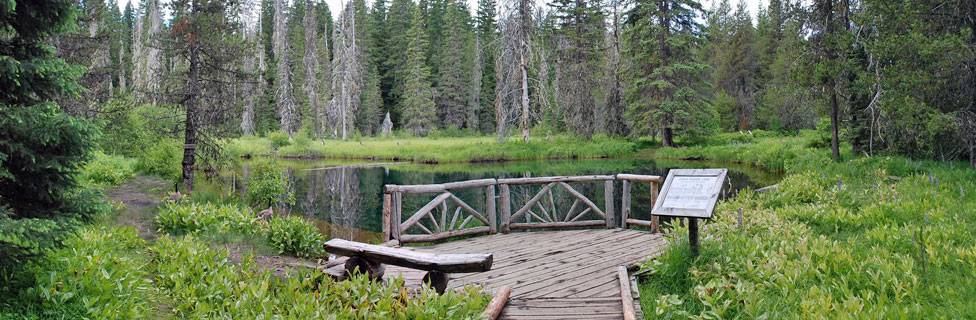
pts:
pixel 692 194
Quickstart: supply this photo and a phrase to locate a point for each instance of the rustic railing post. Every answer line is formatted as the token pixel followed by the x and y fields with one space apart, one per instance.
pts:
pixel 396 216
pixel 387 211
pixel 655 220
pixel 490 209
pixel 608 201
pixel 506 207
pixel 624 204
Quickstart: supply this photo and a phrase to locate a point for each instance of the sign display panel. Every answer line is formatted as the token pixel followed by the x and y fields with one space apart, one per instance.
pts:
pixel 690 193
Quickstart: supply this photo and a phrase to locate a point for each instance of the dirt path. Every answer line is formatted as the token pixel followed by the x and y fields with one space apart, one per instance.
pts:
pixel 142 194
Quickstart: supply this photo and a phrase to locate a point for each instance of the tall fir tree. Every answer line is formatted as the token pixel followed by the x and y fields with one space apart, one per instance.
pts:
pixel 580 29
pixel 666 81
pixel 418 103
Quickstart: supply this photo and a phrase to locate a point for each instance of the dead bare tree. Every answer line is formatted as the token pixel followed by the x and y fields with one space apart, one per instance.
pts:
pixel 287 110
pixel 310 62
pixel 513 78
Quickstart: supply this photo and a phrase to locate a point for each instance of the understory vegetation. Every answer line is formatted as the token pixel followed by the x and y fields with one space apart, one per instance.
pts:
pixel 866 237
pixel 111 273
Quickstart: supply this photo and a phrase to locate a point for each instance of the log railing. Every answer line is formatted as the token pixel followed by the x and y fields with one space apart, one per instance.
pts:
pixel 448 216
pixel 445 223
pixel 535 213
pixel 625 201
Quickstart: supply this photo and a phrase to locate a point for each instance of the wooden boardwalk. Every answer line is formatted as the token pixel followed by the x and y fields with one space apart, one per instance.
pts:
pixel 569 274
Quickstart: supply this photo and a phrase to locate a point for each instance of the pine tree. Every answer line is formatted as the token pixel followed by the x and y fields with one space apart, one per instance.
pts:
pixel 666 82
pixel 614 107
pixel 453 77
pixel 580 29
pixel 734 65
pixel 418 103
pixel 206 86
pixel 486 30
pixel 400 17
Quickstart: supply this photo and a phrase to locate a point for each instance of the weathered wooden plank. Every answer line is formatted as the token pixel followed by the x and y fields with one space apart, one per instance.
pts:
pixel 490 209
pixel 640 223
pixel 396 215
pixel 608 202
pixel 541 180
pixel 453 224
pixel 581 197
pixel 626 299
pixel 447 263
pixel 387 212
pixel 624 203
pixel 439 188
pixel 639 178
pixel 506 207
pixel 414 238
pixel 497 303
pixel 655 220
pixel 424 210
pixel 557 225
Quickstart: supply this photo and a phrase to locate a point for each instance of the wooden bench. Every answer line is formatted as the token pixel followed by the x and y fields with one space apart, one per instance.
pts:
pixel 369 259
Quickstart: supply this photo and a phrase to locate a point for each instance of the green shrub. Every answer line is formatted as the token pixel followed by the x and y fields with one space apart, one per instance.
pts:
pixel 96 276
pixel 106 170
pixel 835 240
pixel 163 159
pixel 268 182
pixel 189 217
pixel 204 283
pixel 279 139
pixel 295 235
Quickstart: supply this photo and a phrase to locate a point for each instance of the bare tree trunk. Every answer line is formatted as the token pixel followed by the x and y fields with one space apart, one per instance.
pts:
pixel 190 130
pixel 282 50
pixel 834 110
pixel 311 65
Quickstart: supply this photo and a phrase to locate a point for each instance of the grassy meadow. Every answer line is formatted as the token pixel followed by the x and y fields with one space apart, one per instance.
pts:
pixel 435 150
pixel 867 237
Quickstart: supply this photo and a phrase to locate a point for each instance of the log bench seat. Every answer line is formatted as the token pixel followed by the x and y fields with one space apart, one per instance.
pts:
pixel 369 259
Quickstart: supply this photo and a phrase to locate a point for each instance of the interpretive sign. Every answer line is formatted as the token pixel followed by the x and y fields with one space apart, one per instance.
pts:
pixel 690 193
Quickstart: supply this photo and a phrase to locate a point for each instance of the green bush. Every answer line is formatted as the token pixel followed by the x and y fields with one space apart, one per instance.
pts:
pixel 204 283
pixel 268 182
pixel 163 159
pixel 106 170
pixel 837 239
pixel 295 235
pixel 95 276
pixel 279 139
pixel 189 217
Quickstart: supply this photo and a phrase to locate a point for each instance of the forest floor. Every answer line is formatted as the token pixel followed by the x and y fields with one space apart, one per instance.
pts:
pixel 431 150
pixel 140 197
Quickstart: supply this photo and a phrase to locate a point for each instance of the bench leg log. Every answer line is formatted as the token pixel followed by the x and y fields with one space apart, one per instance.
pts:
pixel 436 280
pixel 373 269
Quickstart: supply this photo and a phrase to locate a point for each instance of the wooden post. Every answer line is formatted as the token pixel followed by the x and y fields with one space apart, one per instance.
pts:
pixel 655 220
pixel 608 201
pixel 396 216
pixel 626 296
pixel 490 209
pixel 387 211
pixel 693 235
pixel 506 207
pixel 625 204
pixel 497 303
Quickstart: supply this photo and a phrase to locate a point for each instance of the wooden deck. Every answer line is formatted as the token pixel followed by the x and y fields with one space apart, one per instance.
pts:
pixel 553 274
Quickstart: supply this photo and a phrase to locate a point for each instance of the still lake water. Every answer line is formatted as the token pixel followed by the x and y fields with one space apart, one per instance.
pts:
pixel 347 202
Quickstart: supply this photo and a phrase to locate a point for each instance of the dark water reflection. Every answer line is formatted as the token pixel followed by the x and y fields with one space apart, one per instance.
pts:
pixel 347 202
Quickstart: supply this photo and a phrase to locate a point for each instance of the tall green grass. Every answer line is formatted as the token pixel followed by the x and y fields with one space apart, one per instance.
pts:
pixel 440 150
pixel 869 237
